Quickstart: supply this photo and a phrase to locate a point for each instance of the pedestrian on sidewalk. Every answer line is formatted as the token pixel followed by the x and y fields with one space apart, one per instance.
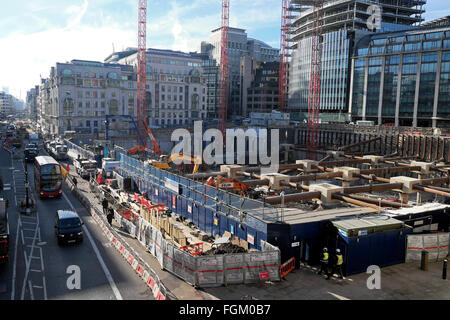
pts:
pixel 75 182
pixel 105 206
pixel 110 216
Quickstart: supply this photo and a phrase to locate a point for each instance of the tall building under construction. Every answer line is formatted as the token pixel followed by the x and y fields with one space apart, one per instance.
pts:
pixel 343 23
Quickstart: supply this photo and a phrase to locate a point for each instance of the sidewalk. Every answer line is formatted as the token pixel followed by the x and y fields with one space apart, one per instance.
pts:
pixel 177 287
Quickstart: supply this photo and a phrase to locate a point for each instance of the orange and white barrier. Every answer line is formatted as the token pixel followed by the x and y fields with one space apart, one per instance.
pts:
pixel 144 272
pixel 287 267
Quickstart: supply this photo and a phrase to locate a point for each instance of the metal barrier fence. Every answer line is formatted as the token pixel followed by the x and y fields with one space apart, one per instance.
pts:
pixel 437 245
pixel 79 150
pixel 201 271
pixel 148 177
pixel 160 292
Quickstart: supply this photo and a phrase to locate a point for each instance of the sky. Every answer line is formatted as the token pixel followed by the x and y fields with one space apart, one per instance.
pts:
pixel 36 34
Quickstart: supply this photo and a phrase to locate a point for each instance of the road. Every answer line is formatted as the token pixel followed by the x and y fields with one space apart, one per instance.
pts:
pixel 40 269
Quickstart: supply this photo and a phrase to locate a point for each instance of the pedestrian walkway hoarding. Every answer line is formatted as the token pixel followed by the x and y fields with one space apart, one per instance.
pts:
pixel 437 245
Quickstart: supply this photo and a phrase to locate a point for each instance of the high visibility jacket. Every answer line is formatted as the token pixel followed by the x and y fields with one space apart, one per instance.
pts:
pixel 325 257
pixel 340 259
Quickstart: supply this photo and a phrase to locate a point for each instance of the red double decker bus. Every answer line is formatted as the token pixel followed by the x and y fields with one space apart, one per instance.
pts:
pixel 48 177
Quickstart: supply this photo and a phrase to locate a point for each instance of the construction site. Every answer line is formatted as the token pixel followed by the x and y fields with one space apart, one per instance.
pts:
pixel 379 194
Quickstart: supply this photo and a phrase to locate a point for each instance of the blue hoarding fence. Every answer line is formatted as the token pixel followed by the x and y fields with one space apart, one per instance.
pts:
pixel 212 210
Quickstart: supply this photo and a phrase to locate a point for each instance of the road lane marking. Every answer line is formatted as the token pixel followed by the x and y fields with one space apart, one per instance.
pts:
pixel 99 257
pixel 43 284
pixel 13 286
pixel 28 263
pixel 30 286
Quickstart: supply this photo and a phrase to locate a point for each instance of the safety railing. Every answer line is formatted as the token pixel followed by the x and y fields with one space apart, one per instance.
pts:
pixel 159 290
pixel 195 269
pixel 79 150
pixel 149 177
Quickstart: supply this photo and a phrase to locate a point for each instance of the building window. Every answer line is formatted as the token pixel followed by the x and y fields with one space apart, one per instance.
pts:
pixel 195 101
pixel 430 45
pixel 113 107
pixel 68 107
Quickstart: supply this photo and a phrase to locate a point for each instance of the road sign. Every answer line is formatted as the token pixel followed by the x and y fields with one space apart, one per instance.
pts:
pixel 264 275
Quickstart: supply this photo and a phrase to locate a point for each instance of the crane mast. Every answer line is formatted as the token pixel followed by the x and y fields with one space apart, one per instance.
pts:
pixel 142 69
pixel 284 55
pixel 315 80
pixel 224 77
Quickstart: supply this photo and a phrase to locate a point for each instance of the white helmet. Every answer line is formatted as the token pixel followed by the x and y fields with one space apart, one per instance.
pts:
pixel 338 251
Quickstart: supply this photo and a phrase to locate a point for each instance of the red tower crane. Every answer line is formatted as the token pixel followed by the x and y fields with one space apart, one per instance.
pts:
pixel 284 55
pixel 142 69
pixel 316 71
pixel 223 79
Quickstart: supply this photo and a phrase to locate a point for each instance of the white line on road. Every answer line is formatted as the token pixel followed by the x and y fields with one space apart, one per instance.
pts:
pixel 99 257
pixel 13 285
pixel 28 263
pixel 30 286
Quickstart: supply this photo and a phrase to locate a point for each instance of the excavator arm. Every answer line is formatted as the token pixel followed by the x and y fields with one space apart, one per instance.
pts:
pixel 227 183
pixel 165 164
pixel 197 161
pixel 150 134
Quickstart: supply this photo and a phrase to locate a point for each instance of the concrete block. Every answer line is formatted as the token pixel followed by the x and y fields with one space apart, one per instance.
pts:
pixel 335 154
pixel 408 183
pixel 327 190
pixel 348 173
pixel 374 159
pixel 425 167
pixel 275 179
pixel 308 165
pixel 231 170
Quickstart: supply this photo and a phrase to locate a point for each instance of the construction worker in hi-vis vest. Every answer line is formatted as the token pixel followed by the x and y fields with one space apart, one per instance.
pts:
pixel 338 264
pixel 324 263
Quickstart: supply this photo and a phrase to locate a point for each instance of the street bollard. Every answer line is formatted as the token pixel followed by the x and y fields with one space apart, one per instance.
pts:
pixel 424 261
pixel 444 269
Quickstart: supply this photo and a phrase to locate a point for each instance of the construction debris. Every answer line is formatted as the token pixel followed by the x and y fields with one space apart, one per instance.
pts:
pixel 225 249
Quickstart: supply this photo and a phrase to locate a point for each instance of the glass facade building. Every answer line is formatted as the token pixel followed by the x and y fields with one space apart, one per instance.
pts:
pixel 402 78
pixel 344 23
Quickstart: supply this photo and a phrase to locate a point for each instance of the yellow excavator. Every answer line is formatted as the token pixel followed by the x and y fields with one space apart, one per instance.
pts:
pixel 163 163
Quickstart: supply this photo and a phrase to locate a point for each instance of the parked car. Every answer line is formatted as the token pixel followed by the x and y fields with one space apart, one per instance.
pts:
pixel 68 227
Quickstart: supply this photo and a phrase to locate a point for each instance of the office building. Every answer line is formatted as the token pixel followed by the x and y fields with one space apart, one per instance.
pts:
pixel 402 78
pixel 344 23
pixel 240 45
pixel 32 102
pixel 259 86
pixel 79 94
pixel 6 104
pixel 176 86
